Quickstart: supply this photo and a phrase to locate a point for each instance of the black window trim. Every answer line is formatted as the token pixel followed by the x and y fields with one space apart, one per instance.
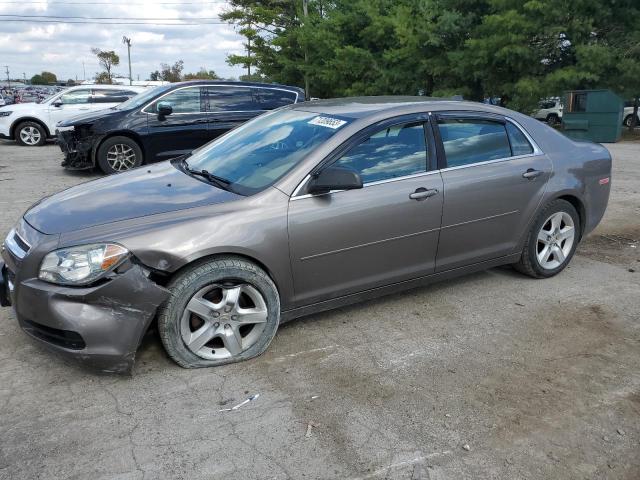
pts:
pixel 201 86
pixel 300 191
pixel 469 115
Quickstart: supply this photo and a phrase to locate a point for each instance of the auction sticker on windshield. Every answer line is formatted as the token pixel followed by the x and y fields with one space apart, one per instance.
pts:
pixel 327 122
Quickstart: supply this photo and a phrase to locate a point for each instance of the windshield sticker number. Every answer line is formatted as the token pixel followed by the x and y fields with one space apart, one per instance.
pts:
pixel 327 122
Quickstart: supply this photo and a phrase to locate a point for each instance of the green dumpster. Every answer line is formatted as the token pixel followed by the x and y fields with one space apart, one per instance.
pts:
pixel 594 115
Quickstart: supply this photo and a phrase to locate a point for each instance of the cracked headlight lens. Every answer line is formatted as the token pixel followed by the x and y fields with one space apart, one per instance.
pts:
pixel 81 265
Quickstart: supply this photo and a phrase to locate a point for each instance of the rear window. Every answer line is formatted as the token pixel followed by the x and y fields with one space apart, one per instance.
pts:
pixel 519 143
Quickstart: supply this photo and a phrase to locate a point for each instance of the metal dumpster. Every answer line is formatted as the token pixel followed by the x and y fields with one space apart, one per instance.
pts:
pixel 594 115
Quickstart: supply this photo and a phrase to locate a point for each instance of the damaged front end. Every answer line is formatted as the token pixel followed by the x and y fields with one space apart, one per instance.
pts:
pixel 77 145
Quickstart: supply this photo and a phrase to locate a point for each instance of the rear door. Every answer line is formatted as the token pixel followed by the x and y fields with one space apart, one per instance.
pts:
pixel 103 98
pixel 228 106
pixel 349 241
pixel 185 129
pixel 494 177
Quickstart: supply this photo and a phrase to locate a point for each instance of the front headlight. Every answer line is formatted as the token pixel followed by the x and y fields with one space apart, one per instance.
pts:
pixel 81 265
pixel 5 113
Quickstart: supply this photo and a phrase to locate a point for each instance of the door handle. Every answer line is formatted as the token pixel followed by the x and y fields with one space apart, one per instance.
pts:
pixel 531 173
pixel 422 193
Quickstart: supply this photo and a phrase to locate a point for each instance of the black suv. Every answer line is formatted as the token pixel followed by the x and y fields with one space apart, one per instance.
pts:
pixel 165 122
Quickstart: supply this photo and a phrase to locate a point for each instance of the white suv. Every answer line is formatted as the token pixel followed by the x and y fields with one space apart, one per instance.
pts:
pixel 549 110
pixel 628 116
pixel 30 124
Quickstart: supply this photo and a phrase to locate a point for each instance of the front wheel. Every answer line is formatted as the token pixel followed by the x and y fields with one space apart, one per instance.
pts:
pixel 30 134
pixel 552 241
pixel 119 154
pixel 223 311
pixel 629 119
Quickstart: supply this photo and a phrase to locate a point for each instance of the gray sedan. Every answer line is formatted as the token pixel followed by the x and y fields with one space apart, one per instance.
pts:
pixel 304 209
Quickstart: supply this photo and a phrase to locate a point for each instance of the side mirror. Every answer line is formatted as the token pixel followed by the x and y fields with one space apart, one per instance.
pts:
pixel 164 109
pixel 57 103
pixel 334 178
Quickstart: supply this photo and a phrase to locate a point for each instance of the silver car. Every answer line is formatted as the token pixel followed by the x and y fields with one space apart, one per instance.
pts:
pixel 300 210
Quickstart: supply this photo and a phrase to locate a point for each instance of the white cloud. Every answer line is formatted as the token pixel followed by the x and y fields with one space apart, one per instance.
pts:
pixel 62 48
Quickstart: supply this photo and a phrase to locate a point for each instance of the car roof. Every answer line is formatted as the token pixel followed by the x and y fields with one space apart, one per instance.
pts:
pixel 360 107
pixel 239 84
pixel 107 87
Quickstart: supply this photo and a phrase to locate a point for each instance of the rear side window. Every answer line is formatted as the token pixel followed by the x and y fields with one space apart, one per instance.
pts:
pixel 392 152
pixel 270 98
pixel 230 99
pixel 468 141
pixel 519 143
pixel 110 96
pixel 183 100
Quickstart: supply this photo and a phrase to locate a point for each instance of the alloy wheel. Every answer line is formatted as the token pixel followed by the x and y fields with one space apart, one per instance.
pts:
pixel 121 157
pixel 555 240
pixel 223 320
pixel 30 135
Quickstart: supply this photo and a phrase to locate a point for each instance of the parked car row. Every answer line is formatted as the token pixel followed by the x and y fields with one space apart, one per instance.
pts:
pixel 31 124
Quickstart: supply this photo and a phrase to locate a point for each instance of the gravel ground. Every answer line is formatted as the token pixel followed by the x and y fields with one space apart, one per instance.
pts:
pixel 493 375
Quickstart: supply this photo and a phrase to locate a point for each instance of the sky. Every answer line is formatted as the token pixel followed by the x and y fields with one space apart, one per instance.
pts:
pixel 30 48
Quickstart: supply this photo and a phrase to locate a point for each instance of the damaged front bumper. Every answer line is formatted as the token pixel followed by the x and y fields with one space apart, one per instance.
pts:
pixel 78 149
pixel 100 325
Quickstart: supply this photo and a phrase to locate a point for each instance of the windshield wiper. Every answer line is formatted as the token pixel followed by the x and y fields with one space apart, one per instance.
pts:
pixel 219 182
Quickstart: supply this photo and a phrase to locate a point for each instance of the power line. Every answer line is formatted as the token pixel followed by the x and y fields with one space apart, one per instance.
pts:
pixel 114 23
pixel 65 17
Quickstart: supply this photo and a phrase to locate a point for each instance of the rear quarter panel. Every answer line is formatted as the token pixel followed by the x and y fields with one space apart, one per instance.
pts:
pixel 578 169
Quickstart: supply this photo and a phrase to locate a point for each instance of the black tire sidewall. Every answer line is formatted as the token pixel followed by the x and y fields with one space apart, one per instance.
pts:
pixel 552 119
pixel 107 144
pixel 554 207
pixel 41 129
pixel 185 285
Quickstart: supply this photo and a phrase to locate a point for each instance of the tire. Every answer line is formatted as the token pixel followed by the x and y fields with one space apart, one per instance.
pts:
pixel 216 334
pixel 119 154
pixel 628 119
pixel 30 134
pixel 552 119
pixel 530 262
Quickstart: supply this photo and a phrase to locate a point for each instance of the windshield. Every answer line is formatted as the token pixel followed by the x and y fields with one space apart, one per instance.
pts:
pixel 254 156
pixel 142 98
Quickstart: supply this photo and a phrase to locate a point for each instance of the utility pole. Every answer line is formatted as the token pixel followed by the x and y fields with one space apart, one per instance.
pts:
pixel 6 67
pixel 128 42
pixel 249 54
pixel 84 75
pixel 305 10
pixel 24 75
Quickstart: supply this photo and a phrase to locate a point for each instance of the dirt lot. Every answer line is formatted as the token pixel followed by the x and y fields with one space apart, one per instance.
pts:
pixel 539 379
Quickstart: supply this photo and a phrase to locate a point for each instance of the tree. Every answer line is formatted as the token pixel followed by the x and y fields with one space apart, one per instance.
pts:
pixel 517 51
pixel 154 76
pixel 171 73
pixel 107 60
pixel 202 74
pixel 44 78
pixel 103 78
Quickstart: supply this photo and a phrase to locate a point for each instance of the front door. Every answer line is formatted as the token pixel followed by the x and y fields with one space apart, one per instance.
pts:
pixel 69 104
pixel 349 241
pixel 494 179
pixel 180 132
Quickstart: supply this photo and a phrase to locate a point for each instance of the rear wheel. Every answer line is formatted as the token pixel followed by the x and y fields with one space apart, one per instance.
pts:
pixel 552 119
pixel 629 119
pixel 552 241
pixel 30 134
pixel 223 311
pixel 119 154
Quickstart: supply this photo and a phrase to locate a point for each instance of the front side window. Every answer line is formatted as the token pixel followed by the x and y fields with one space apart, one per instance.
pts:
pixel 75 97
pixel 183 100
pixel 257 154
pixel 392 152
pixel 468 141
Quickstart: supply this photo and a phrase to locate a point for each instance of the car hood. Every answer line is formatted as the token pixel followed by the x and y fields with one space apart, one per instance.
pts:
pixel 18 107
pixel 89 117
pixel 148 190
